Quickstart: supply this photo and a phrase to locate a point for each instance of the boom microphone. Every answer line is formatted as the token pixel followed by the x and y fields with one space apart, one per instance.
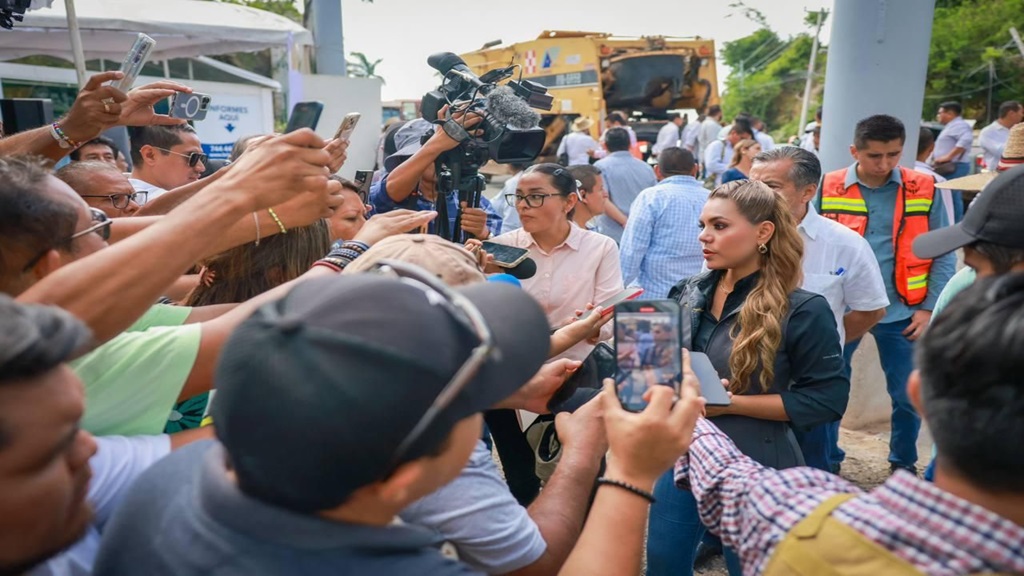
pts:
pixel 524 270
pixel 511 110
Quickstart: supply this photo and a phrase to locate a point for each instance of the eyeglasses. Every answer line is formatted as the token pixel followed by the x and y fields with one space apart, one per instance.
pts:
pixel 532 200
pixel 464 312
pixel 121 201
pixel 101 226
pixel 193 157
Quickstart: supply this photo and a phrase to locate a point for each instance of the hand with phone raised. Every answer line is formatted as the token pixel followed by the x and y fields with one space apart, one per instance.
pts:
pixel 643 445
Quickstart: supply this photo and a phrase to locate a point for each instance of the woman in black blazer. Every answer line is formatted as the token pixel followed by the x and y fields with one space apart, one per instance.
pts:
pixel 776 344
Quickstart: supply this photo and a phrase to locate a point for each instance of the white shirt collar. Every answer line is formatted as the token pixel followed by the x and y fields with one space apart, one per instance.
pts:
pixel 811 223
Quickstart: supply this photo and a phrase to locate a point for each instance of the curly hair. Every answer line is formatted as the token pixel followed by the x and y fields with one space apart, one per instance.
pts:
pixel 758 333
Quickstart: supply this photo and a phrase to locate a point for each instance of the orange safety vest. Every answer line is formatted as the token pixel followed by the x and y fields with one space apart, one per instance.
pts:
pixel 910 220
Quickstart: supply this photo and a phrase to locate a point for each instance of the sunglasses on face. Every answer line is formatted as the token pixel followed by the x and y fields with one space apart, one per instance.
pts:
pixel 193 157
pixel 101 226
pixel 121 201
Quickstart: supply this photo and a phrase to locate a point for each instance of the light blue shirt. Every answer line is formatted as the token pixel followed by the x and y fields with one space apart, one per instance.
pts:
pixel 625 178
pixel 509 215
pixel 881 204
pixel 660 246
pixel 957 133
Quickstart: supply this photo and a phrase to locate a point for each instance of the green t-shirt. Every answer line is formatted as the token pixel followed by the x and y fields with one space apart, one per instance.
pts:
pixel 161 315
pixel 957 284
pixel 133 381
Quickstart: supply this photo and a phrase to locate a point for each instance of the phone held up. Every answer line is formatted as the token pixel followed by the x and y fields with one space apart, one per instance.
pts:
pixel 648 350
pixel 347 126
pixel 133 62
pixel 305 115
pixel 192 106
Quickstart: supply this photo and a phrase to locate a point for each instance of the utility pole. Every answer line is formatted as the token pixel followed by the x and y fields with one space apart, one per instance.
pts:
pixel 810 74
pixel 1016 40
pixel 323 18
pixel 991 79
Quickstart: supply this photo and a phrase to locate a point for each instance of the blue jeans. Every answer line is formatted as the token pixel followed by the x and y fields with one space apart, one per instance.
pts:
pixel 962 169
pixel 814 444
pixel 897 357
pixel 674 530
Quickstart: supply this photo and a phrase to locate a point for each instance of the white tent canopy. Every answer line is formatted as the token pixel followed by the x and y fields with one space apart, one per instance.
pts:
pixel 181 28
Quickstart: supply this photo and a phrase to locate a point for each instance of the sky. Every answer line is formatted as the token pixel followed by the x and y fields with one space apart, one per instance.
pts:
pixel 404 32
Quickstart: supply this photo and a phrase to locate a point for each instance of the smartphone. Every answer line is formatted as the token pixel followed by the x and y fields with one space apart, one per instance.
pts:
pixel 710 383
pixel 647 349
pixel 627 294
pixel 192 106
pixel 133 62
pixel 506 256
pixel 364 179
pixel 597 366
pixel 347 126
pixel 304 115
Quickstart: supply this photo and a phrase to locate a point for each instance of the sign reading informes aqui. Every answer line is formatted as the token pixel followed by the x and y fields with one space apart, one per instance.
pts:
pixel 230 117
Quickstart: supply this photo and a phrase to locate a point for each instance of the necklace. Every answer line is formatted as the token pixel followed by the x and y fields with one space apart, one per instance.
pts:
pixel 723 289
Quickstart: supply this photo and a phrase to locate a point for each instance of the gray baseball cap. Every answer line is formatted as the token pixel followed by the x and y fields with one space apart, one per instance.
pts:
pixel 408 141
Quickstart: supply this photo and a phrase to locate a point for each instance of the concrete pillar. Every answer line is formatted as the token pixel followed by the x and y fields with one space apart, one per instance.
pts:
pixel 324 20
pixel 877 63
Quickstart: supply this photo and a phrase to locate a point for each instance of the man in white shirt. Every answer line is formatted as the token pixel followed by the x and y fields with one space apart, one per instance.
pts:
pixel 838 264
pixel 925 146
pixel 164 158
pixel 718 154
pixel 763 138
pixel 993 137
pixel 668 136
pixel 708 130
pixel 954 145
pixel 579 146
pixel 691 130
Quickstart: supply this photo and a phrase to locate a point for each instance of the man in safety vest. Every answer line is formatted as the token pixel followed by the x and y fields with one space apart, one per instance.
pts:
pixel 891 206
pixel 807 522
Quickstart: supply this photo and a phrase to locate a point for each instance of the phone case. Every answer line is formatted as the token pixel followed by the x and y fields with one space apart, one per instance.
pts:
pixel 133 62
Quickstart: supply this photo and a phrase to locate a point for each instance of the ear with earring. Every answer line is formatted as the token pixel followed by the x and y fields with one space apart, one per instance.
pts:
pixel 762 248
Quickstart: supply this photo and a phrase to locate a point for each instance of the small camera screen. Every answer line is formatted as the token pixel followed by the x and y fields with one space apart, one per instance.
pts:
pixel 648 353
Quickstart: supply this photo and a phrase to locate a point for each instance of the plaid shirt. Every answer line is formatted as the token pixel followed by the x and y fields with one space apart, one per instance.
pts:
pixel 753 508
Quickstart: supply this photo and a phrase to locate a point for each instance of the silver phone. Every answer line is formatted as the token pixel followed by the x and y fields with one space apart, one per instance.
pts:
pixel 133 62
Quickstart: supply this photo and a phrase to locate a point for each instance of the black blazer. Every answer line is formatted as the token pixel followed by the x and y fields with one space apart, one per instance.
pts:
pixel 809 367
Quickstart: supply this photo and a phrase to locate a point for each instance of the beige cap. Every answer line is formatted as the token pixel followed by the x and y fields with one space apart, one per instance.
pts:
pixel 452 263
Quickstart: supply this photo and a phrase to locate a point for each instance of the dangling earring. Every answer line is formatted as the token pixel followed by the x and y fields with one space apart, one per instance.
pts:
pixel 762 248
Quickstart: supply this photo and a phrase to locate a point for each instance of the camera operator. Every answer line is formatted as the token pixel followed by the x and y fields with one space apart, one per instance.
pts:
pixel 411 180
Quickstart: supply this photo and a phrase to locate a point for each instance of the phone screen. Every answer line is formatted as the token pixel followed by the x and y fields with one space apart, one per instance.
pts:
pixel 304 115
pixel 647 348
pixel 507 256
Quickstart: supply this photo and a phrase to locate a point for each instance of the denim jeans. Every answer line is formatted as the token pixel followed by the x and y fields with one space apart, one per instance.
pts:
pixel 814 444
pixel 962 169
pixel 897 357
pixel 674 531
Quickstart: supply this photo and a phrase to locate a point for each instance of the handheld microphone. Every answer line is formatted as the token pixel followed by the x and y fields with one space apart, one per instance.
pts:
pixel 511 110
pixel 524 270
pixel 504 279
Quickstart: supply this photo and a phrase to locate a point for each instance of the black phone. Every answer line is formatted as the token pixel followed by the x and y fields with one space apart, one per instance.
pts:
pixel 364 179
pixel 305 115
pixel 710 383
pixel 647 349
pixel 597 366
pixel 506 256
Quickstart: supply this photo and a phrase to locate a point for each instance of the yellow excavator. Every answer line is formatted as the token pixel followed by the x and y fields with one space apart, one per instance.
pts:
pixel 591 74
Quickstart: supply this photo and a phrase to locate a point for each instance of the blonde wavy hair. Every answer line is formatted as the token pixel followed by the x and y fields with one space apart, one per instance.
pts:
pixel 737 154
pixel 758 334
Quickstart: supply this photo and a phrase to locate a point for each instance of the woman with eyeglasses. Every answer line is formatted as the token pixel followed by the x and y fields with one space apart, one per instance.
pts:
pixel 575 267
pixel 775 344
pixel 351 214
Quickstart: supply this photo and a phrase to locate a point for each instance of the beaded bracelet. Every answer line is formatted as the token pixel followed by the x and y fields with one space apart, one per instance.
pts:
pixel 342 255
pixel 58 133
pixel 278 220
pixel 628 487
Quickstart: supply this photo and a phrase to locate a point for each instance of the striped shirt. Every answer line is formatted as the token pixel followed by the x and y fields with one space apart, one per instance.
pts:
pixel 753 507
pixel 660 246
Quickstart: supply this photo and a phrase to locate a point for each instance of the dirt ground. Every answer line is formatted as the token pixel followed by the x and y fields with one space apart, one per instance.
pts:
pixel 866 465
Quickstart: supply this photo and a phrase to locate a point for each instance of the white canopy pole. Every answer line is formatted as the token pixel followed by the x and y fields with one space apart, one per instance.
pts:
pixel 76 42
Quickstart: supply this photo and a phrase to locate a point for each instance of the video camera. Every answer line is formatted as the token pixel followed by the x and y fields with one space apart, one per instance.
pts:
pixel 510 130
pixel 12 11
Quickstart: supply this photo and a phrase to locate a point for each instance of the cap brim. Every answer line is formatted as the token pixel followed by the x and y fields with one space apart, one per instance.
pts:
pixel 403 154
pixel 521 335
pixel 972 183
pixel 941 241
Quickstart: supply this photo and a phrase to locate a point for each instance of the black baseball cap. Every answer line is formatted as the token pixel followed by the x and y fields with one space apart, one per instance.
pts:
pixel 996 216
pixel 315 392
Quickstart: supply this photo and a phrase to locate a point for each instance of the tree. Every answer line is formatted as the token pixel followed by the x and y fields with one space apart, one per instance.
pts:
pixel 360 66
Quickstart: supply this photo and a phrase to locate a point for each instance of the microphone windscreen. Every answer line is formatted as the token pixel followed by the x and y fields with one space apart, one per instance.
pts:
pixel 524 270
pixel 510 109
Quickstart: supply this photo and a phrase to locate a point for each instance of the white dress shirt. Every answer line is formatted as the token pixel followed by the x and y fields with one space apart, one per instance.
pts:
pixel 668 137
pixel 992 140
pixel 840 265
pixel 577 145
